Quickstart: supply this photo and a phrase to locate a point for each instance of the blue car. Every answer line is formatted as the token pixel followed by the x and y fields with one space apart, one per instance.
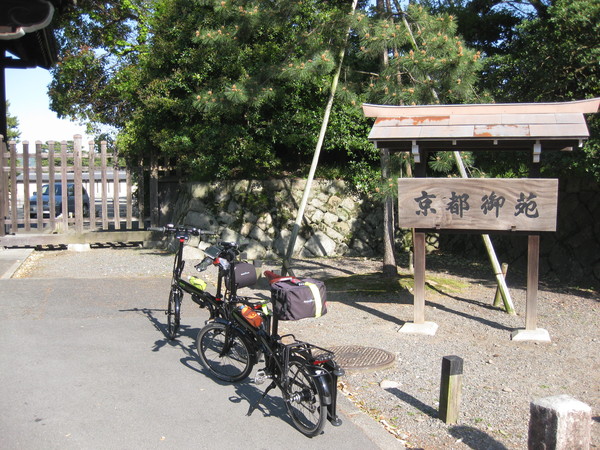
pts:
pixel 58 200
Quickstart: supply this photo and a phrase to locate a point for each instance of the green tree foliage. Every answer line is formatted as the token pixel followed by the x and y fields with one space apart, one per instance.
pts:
pixel 421 58
pixel 12 123
pixel 554 57
pixel 488 25
pixel 100 44
pixel 412 58
pixel 236 88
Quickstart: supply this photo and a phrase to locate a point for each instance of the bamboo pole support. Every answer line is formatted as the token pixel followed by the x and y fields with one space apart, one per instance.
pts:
pixel 498 296
pixel 286 266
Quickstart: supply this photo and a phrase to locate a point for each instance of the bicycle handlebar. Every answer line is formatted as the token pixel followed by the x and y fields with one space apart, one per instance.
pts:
pixel 170 228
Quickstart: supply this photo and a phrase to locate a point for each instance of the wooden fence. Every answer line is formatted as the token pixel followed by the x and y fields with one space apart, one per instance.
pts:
pixel 84 191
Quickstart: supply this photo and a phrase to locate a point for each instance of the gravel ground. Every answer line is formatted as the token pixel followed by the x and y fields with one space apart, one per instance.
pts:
pixel 501 377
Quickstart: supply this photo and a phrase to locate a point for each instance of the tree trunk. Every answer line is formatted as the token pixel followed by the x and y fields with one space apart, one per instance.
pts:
pixel 389 259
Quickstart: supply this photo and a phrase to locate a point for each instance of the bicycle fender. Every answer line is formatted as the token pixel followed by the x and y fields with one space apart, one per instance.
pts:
pixel 327 377
pixel 322 378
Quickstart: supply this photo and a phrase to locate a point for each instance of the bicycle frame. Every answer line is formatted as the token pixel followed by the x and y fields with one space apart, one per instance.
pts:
pixel 201 297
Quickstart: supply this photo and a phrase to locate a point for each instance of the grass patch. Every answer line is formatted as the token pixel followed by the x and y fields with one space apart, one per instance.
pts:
pixel 447 285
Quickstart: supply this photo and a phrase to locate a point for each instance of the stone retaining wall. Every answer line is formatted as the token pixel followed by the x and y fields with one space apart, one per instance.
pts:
pixel 260 215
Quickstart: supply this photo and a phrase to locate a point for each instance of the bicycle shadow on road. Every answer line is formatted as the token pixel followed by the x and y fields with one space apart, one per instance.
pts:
pixel 272 405
pixel 150 314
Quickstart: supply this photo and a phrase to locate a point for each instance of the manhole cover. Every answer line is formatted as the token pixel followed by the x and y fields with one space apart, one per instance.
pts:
pixel 355 357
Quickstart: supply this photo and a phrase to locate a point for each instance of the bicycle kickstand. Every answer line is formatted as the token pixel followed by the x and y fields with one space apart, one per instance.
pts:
pixel 255 404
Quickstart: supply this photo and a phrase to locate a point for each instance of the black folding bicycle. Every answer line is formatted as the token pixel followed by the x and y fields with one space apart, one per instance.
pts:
pixel 241 332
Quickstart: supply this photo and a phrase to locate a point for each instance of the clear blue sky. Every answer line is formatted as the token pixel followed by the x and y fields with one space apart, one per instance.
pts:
pixel 26 90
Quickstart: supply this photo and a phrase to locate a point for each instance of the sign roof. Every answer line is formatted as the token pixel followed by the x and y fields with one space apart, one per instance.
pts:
pixel 501 126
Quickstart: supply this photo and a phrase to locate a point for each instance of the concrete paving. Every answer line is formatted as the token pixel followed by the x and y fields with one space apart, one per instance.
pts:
pixel 85 364
pixel 11 259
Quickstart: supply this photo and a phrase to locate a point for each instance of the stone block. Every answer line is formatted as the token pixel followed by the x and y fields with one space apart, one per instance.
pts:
pixel 360 248
pixel 233 236
pixel 241 186
pixel 226 218
pixel 246 228
pixel 317 203
pixel 222 195
pixel 330 218
pixel 263 238
pixel 200 190
pixel 191 252
pixel 265 221
pixel 348 204
pixel 203 220
pixel 537 335
pixel 317 216
pixel 79 247
pixel 333 234
pixel 425 328
pixel 342 249
pixel 254 250
pixel 233 207
pixel 197 204
pixel 280 244
pixel 334 201
pixel 559 422
pixel 276 185
pixel 320 245
pixel 308 212
pixel 249 216
pixel 342 214
pixel 342 227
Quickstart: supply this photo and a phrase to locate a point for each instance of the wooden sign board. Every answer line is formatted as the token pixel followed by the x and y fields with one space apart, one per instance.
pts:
pixel 478 204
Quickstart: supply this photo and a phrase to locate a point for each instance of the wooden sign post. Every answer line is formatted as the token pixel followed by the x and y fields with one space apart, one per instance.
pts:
pixel 483 205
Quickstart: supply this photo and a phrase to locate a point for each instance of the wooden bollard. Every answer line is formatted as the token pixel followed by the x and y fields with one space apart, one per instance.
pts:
pixel 559 423
pixel 450 388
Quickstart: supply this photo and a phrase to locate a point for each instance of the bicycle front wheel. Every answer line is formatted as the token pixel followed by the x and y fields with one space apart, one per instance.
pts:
pixel 173 312
pixel 304 398
pixel 225 353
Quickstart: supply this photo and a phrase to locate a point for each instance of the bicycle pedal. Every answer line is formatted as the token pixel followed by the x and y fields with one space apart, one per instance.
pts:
pixel 261 377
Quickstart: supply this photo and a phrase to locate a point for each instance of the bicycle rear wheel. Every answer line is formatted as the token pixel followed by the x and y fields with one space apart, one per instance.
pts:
pixel 173 312
pixel 304 398
pixel 225 353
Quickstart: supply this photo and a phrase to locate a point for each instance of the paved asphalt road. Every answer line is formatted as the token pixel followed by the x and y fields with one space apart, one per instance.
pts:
pixel 85 365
